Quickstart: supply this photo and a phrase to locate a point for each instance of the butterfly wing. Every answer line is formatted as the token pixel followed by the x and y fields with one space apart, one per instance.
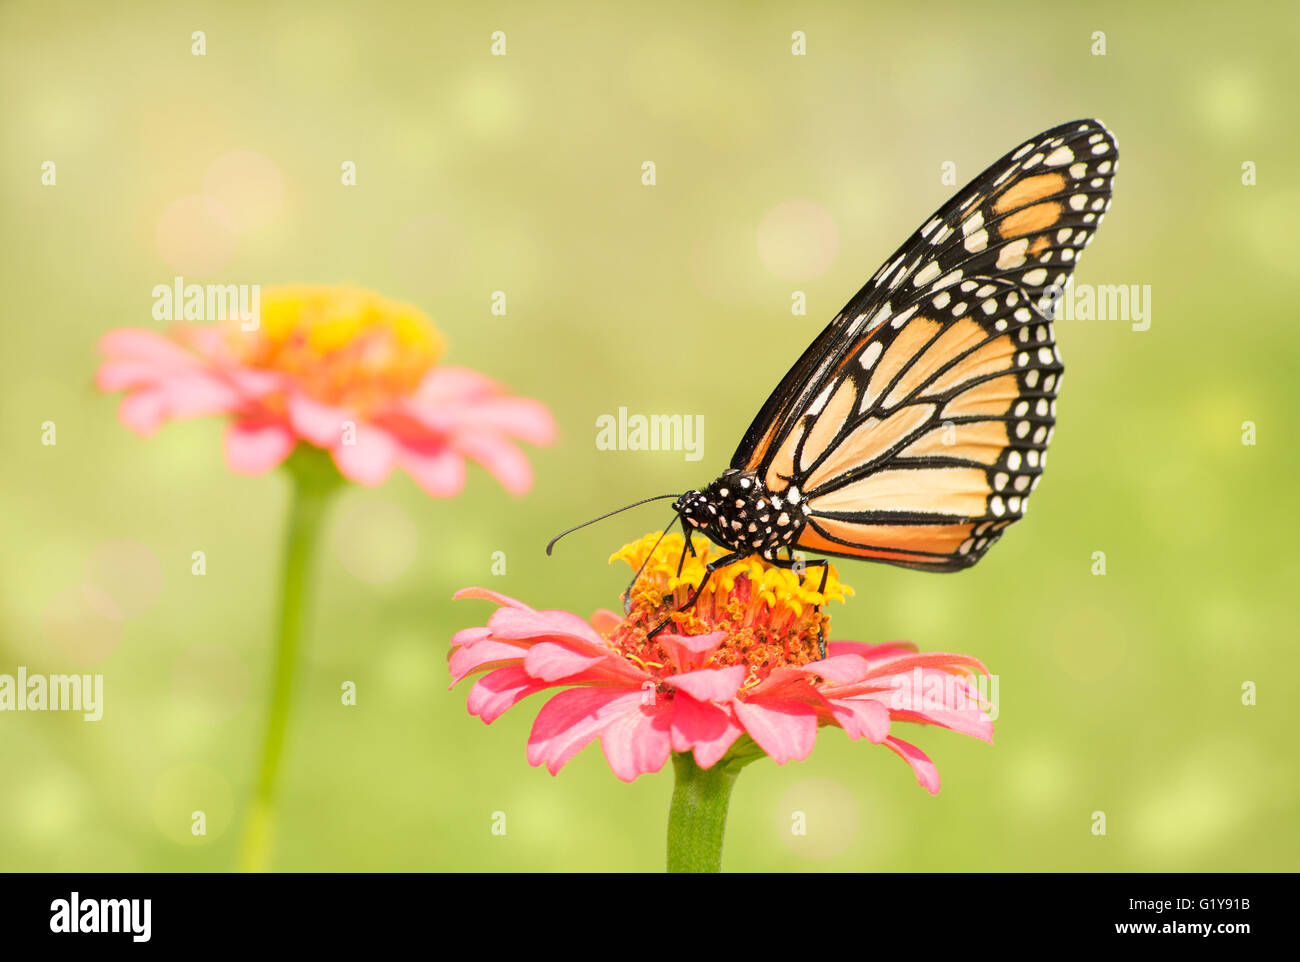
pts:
pixel 917 423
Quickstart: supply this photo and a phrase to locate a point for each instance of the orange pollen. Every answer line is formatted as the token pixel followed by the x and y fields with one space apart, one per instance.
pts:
pixel 341 345
pixel 772 616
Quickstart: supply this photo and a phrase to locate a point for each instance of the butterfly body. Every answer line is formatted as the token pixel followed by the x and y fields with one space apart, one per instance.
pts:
pixel 739 513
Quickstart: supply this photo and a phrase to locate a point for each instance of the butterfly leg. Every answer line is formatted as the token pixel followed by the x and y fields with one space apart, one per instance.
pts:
pixel 687 547
pixel 627 594
pixel 824 564
pixel 709 568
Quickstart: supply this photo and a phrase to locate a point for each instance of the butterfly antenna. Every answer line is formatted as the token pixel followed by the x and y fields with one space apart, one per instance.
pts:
pixel 627 593
pixel 636 504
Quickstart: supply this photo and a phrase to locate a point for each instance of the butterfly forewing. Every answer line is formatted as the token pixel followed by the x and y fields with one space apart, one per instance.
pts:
pixel 916 425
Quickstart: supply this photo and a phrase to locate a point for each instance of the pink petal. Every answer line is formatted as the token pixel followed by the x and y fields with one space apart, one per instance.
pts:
pixel 448 382
pixel 787 683
pixel 254 383
pixel 515 417
pixel 839 669
pixel 440 471
pixel 466 660
pixel 126 374
pixel 497 691
pixel 550 662
pixel 487 594
pixel 574 624
pixel 510 417
pixel 926 771
pixel 504 460
pixel 570 720
pixel 707 729
pixel 370 461
pixel 687 652
pixel 143 411
pixel 207 340
pixel 786 730
pixel 931 659
pixel 969 722
pixel 916 688
pixel 637 742
pixel 710 684
pixel 145 408
pixel 887 650
pixel 861 716
pixel 512 624
pixel 141 344
pixel 321 424
pixel 469 636
pixel 923 689
pixel 255 447
pixel 200 394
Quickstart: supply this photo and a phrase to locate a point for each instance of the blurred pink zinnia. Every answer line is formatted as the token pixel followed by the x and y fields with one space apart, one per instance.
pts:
pixel 342 369
pixel 744 662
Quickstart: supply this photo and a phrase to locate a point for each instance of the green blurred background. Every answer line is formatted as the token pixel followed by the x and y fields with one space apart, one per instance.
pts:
pixel 522 173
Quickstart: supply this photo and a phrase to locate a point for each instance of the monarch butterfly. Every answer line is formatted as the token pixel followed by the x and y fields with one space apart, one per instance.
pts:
pixel 914 428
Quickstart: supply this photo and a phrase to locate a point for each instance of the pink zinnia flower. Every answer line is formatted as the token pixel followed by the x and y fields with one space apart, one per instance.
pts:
pixel 743 662
pixel 342 369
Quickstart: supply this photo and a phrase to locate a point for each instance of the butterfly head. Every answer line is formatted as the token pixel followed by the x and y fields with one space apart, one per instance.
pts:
pixel 694 507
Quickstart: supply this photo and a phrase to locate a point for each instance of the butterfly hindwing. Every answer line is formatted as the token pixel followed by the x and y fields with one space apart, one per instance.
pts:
pixel 938 435
pixel 917 422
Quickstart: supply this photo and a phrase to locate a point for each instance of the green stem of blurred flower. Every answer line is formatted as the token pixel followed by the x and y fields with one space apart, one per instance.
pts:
pixel 314 480
pixel 697 817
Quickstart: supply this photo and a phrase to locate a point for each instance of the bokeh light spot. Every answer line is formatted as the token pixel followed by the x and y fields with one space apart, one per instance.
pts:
pixel 196 236
pixel 129 573
pixel 798 240
pixel 82 624
pixel 248 187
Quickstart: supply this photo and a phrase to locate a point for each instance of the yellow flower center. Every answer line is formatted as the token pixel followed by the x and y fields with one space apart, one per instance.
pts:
pixel 342 345
pixel 772 615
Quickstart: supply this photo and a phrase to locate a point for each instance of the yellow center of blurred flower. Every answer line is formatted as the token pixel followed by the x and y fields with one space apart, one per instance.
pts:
pixel 342 345
pixel 771 615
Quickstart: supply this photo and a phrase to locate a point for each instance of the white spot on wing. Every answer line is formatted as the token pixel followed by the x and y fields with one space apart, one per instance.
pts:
pixel 817 405
pixel 952 277
pixel 925 275
pixel 870 354
pixel 1061 155
pixel 1012 254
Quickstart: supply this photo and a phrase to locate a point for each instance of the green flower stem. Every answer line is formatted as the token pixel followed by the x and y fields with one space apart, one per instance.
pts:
pixel 314 481
pixel 697 817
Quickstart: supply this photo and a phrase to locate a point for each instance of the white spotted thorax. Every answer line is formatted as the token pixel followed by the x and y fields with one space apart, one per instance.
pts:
pixel 737 512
